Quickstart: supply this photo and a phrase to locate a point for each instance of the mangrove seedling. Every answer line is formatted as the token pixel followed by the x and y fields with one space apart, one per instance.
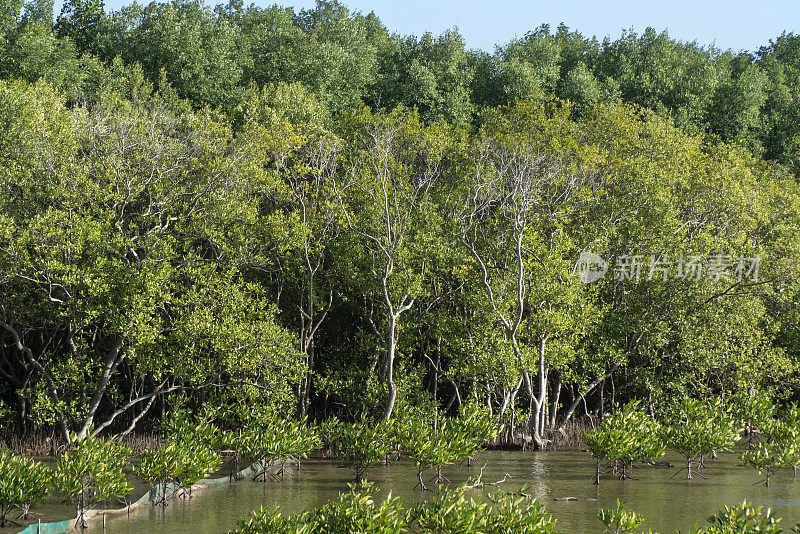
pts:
pixel 601 444
pixel 785 432
pixel 235 442
pixel 178 462
pixel 763 457
pixel 455 439
pixel 625 437
pixel 477 426
pixel 328 431
pixel 695 429
pixel 753 412
pixel 91 472
pixel 23 482
pixel 362 445
pixel 745 519
pixel 452 511
pixel 621 519
pixel 356 511
pixel 185 457
pixel 776 448
pixel 279 441
pixel 159 467
pixel 196 461
pixel 432 450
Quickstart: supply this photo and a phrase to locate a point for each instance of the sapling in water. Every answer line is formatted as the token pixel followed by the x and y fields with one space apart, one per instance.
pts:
pixel 627 436
pixel 621 519
pixel 23 482
pixel 92 472
pixel 695 429
pixel 753 412
pixel 361 445
pixel 455 439
pixel 278 441
pixel 158 467
pixel 776 447
pixel 765 457
pixel 185 457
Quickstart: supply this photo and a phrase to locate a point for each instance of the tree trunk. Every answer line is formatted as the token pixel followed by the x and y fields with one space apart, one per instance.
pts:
pixel 53 391
pixel 576 401
pixel 457 397
pixel 531 398
pixel 537 435
pixel 489 398
pixel 554 410
pixel 597 471
pixel 509 396
pixel 543 403
pixel 112 361
pixel 602 401
pixel 390 384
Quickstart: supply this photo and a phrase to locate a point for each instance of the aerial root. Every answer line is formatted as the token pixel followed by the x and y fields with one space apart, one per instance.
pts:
pixel 480 484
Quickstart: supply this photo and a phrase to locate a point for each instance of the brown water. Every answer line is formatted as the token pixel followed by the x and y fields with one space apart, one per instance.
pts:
pixel 668 503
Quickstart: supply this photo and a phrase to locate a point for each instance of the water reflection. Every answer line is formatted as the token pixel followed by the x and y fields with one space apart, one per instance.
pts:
pixel 667 502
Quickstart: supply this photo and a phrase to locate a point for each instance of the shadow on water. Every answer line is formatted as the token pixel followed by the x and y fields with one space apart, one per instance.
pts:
pixel 668 503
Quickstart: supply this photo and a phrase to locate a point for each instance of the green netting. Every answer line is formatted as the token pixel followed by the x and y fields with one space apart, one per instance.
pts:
pixel 49 528
pixel 63 527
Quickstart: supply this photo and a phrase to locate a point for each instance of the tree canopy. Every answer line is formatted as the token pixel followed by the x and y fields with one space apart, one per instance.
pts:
pixel 303 210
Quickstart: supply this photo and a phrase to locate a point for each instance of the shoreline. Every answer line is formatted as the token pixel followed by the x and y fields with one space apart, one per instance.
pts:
pixel 92 517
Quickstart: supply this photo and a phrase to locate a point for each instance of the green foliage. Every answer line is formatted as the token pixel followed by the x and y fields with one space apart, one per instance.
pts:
pixel 764 458
pixel 198 462
pixel 696 428
pixel 181 426
pixel 361 445
pixel 627 436
pixel 777 445
pixel 620 519
pixel 329 431
pixel 92 471
pixel 743 518
pixel 23 482
pixel 212 57
pixel 451 511
pixel 476 426
pixel 185 457
pixel 453 440
pixel 786 433
pixel 754 412
pixel 81 21
pixel 148 315
pixel 431 73
pixel 328 49
pixel 301 211
pixel 160 466
pixel 355 511
pixel 270 521
pixel 448 512
pixel 275 440
pixel 181 45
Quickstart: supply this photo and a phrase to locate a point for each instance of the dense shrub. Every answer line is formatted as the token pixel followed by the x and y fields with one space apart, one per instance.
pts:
pixel 23 482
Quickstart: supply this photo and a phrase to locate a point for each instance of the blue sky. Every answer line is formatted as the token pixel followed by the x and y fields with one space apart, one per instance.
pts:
pixel 737 25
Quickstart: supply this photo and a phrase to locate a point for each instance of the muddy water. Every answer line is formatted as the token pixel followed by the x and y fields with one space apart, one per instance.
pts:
pixel 669 503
